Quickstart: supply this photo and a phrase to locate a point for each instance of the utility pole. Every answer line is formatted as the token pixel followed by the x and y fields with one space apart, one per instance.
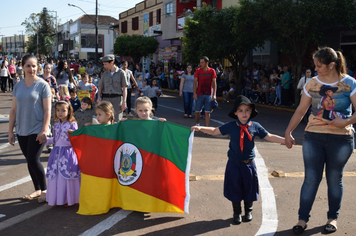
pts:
pixel 96 33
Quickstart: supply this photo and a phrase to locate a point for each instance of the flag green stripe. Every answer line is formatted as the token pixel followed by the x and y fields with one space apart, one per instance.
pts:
pixel 165 139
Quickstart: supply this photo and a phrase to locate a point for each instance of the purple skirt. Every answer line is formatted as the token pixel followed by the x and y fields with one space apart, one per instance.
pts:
pixel 62 191
pixel 241 181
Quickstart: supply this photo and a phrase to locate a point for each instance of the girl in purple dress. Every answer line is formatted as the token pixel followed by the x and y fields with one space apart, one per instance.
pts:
pixel 63 173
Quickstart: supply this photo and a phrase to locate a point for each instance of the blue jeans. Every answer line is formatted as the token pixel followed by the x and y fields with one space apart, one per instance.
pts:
pixel 203 101
pixel 333 152
pixel 188 102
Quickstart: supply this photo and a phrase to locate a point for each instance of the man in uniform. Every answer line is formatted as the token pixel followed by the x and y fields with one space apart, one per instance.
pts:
pixel 113 86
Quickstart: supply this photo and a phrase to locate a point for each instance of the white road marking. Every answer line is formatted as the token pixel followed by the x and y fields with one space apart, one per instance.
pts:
pixel 6 145
pixel 269 208
pixel 24 216
pixel 107 223
pixel 2 215
pixel 15 183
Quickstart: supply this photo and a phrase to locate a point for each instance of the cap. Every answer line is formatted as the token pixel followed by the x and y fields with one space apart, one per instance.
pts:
pixel 108 57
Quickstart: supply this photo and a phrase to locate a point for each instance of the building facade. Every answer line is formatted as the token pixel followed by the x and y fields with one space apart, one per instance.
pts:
pixel 76 39
pixel 14 45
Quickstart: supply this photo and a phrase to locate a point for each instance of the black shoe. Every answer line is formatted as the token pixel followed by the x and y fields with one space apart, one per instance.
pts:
pixel 237 218
pixel 298 229
pixel 248 211
pixel 329 228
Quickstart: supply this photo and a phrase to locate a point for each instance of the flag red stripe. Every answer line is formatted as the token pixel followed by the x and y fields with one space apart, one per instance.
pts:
pixel 160 178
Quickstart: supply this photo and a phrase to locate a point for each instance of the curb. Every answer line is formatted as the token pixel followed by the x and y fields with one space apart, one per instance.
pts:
pixel 232 101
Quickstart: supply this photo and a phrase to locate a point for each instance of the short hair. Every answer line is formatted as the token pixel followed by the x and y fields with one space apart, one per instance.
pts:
pixel 72 90
pixel 205 58
pixel 87 101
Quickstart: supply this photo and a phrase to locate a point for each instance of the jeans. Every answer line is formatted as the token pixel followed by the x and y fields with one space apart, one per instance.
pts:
pixel 188 102
pixel 279 93
pixel 333 152
pixel 203 101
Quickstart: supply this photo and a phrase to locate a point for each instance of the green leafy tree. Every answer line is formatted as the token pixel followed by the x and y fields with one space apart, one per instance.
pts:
pixel 229 33
pixel 298 25
pixel 136 46
pixel 39 26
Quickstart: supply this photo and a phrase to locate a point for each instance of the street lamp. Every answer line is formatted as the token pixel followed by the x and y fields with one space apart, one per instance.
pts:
pixel 96 26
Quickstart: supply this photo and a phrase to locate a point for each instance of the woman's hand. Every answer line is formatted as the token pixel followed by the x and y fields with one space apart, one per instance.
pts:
pixel 70 131
pixel 42 137
pixel 338 122
pixel 289 140
pixel 11 138
pixel 180 93
pixel 162 119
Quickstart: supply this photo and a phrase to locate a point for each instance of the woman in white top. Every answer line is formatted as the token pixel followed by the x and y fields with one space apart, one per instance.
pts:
pixel 304 80
pixel 4 74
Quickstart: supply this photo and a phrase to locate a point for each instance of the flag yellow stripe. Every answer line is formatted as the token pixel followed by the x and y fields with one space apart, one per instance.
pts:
pixel 98 195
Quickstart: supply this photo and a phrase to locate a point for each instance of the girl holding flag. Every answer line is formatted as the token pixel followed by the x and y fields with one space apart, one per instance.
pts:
pixel 241 182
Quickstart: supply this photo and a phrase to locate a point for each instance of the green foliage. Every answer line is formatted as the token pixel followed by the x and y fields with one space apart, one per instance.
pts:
pixel 227 33
pixel 136 46
pixel 40 24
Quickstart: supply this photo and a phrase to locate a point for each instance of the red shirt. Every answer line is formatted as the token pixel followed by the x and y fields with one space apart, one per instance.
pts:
pixel 75 67
pixel 205 79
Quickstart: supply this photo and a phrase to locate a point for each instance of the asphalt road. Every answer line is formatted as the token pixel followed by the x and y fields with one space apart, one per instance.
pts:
pixel 210 213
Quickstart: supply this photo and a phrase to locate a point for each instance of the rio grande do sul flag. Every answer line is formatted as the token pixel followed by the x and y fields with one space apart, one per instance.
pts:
pixel 140 165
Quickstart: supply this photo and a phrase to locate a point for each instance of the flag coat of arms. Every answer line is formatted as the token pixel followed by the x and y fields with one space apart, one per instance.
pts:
pixel 140 165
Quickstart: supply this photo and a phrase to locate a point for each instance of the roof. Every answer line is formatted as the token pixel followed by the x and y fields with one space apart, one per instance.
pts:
pixel 102 20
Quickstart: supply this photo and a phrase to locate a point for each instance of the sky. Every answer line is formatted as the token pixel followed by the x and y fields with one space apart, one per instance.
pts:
pixel 12 15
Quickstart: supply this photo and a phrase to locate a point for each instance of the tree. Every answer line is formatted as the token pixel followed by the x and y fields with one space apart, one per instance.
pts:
pixel 136 46
pixel 298 25
pixel 39 26
pixel 229 33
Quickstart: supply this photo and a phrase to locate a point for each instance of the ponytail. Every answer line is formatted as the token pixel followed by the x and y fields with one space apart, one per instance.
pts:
pixel 340 64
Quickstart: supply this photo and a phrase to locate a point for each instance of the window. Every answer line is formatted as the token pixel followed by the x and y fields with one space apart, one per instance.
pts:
pixel 169 9
pixel 135 23
pixel 124 27
pixel 158 13
pixel 88 41
pixel 214 3
pixel 150 19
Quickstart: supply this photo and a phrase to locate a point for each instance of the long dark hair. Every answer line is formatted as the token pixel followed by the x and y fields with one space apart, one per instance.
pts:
pixel 60 68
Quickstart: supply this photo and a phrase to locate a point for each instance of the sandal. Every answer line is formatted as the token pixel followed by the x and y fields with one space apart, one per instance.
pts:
pixel 330 228
pixel 298 229
pixel 29 197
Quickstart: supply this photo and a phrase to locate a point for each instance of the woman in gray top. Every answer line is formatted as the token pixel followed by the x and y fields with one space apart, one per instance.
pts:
pixel 63 74
pixel 30 113
pixel 186 90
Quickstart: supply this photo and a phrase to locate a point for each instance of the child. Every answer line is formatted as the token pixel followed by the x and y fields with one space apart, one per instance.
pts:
pixel 105 113
pixel 94 90
pixel 139 86
pixel 84 84
pixel 74 100
pixel 143 107
pixel 63 171
pixel 85 113
pixel 241 181
pixel 145 88
pixel 15 79
pixel 63 92
pixel 153 93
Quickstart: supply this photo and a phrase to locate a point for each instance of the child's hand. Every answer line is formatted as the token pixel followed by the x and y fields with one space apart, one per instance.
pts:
pixel 87 124
pixel 195 128
pixel 162 119
pixel 124 119
pixel 70 131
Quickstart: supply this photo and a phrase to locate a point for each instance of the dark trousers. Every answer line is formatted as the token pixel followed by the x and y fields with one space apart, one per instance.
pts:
pixel 4 84
pixel 128 100
pixel 285 98
pixel 11 82
pixel 32 150
pixel 154 104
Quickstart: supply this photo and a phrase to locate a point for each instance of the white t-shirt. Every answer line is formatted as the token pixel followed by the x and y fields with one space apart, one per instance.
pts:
pixel 302 82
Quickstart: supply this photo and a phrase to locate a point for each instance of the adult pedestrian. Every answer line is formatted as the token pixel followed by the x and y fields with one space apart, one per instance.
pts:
pixel 285 84
pixel 130 78
pixel 329 138
pixel 4 74
pixel 31 112
pixel 186 90
pixel 63 73
pixel 204 89
pixel 12 70
pixel 49 78
pixel 113 86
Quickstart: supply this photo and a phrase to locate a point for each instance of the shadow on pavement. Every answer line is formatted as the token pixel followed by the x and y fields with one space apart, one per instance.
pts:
pixel 307 232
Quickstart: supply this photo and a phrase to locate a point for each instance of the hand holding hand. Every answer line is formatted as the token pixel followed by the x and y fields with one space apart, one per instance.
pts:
pixel 289 141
